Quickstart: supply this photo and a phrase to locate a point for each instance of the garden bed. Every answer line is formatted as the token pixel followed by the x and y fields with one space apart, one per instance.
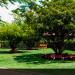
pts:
pixel 60 56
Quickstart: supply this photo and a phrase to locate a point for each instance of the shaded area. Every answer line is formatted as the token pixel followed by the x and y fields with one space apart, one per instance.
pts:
pixel 38 59
pixel 70 46
pixel 37 71
pixel 8 52
pixel 19 72
pixel 4 52
pixel 49 71
pixel 31 59
pixel 67 45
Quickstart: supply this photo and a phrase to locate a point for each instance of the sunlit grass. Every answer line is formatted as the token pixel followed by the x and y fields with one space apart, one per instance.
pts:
pixel 31 59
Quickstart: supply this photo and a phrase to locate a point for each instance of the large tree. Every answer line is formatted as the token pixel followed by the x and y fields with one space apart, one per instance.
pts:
pixel 56 18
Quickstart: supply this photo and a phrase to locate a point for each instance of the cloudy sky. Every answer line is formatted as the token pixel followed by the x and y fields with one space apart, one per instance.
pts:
pixel 6 13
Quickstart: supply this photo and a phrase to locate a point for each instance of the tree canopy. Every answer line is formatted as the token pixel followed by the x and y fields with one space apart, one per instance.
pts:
pixel 54 17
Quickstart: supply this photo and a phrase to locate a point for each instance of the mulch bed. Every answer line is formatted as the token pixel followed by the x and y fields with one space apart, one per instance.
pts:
pixel 59 56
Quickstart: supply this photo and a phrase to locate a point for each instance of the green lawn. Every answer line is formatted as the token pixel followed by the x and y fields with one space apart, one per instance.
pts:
pixel 30 59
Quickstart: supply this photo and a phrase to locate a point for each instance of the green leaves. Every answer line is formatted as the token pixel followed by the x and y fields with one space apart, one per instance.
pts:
pixel 10 32
pixel 14 33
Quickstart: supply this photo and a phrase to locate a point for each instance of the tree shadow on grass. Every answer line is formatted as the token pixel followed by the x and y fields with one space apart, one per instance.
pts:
pixel 9 52
pixel 4 52
pixel 37 59
pixel 31 59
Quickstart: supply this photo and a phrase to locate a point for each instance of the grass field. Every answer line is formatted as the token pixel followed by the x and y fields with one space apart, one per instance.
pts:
pixel 30 59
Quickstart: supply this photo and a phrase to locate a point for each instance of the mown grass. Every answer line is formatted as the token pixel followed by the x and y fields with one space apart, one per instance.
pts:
pixel 31 59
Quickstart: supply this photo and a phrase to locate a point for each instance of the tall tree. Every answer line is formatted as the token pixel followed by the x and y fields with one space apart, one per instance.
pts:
pixel 57 19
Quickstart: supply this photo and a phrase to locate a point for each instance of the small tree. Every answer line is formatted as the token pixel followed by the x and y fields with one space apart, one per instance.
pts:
pixel 11 33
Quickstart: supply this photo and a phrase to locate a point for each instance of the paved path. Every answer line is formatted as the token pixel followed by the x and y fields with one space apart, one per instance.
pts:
pixel 15 72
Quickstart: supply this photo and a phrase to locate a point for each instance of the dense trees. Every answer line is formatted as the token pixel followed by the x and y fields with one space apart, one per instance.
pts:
pixel 53 20
pixel 18 31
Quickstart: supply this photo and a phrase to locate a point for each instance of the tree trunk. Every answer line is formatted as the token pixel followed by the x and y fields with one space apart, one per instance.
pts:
pixel 13 48
pixel 55 50
pixel 58 47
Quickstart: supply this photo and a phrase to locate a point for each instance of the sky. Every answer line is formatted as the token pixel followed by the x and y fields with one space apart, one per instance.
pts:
pixel 6 14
